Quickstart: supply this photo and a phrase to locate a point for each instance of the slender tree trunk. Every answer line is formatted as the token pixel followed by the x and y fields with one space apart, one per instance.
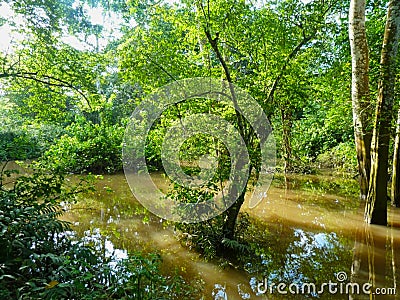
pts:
pixel 360 92
pixel 233 211
pixel 376 208
pixel 395 189
pixel 286 134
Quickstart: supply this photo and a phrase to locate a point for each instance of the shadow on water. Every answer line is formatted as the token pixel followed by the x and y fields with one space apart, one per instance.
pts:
pixel 300 239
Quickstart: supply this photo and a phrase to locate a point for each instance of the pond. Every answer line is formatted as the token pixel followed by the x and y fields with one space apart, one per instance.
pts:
pixel 309 244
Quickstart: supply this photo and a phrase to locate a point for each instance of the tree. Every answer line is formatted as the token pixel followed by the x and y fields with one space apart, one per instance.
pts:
pixel 376 208
pixel 395 188
pixel 52 81
pixel 286 86
pixel 47 78
pixel 360 91
pixel 227 39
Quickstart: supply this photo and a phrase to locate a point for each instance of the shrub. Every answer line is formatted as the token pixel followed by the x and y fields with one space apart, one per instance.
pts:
pixel 342 157
pixel 17 145
pixel 87 147
pixel 26 142
pixel 207 237
pixel 30 231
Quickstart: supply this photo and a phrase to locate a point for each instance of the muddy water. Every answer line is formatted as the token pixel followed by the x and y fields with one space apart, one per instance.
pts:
pixel 301 237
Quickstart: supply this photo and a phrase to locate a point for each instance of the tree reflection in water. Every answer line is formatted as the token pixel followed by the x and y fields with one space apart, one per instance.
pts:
pixel 294 236
pixel 376 257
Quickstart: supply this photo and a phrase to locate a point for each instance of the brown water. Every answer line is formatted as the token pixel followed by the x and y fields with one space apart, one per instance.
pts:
pixel 302 237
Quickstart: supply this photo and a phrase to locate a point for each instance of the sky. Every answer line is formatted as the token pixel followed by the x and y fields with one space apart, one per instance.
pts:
pixel 6 35
pixel 110 21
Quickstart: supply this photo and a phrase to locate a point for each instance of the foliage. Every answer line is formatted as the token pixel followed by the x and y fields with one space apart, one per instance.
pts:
pixel 341 157
pixel 31 234
pixel 52 82
pixel 327 121
pixel 305 51
pixel 48 17
pixel 26 141
pixel 207 238
pixel 87 147
pixel 17 145
pixel 41 259
pixel 291 56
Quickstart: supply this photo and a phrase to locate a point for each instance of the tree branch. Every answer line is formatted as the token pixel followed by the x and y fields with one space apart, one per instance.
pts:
pixel 214 45
pixel 292 54
pixel 36 77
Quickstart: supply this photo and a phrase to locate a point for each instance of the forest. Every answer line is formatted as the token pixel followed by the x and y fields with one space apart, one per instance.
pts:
pixel 199 149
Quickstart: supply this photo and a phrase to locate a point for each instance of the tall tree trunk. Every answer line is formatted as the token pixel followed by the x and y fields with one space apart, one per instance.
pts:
pixel 360 92
pixel 286 117
pixel 376 208
pixel 395 193
pixel 233 211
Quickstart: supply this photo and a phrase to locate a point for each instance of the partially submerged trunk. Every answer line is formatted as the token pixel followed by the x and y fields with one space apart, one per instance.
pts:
pixel 376 208
pixel 232 213
pixel 395 188
pixel 360 92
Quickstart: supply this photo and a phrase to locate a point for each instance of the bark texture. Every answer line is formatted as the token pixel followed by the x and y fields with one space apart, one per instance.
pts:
pixel 360 94
pixel 395 188
pixel 376 208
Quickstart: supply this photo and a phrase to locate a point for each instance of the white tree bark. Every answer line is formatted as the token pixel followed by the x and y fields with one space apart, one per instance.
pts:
pixel 360 91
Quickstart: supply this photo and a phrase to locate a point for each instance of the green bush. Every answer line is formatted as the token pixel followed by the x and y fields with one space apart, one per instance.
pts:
pixel 341 157
pixel 18 145
pixel 26 142
pixel 30 233
pixel 87 147
pixel 207 238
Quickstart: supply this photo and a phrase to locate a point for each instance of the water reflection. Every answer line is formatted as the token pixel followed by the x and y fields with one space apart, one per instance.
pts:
pixel 296 237
pixel 102 244
pixel 376 258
